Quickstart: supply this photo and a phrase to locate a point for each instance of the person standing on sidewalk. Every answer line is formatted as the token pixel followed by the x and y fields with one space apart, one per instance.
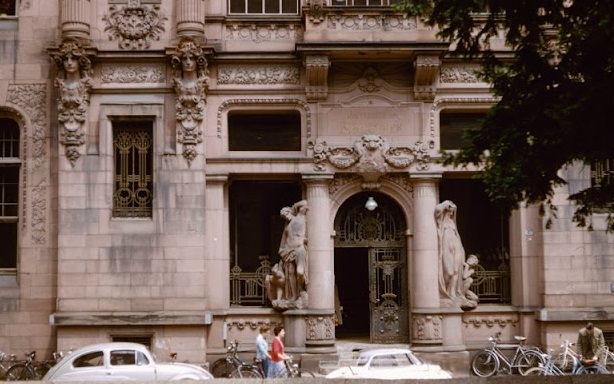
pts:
pixel 262 349
pixel 277 368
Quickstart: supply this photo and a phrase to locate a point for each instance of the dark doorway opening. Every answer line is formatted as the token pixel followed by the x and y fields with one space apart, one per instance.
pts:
pixel 352 280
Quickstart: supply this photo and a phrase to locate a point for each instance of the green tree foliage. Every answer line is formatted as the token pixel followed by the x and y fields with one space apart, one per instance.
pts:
pixel 556 93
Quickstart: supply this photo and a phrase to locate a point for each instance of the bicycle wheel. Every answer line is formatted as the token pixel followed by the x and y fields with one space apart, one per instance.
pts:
pixel 246 373
pixel 485 363
pixel 536 371
pixel 565 361
pixel 221 368
pixel 306 373
pixel 528 359
pixel 596 369
pixel 20 371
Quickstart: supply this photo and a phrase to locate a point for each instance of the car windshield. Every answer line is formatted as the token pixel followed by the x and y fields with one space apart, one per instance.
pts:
pixel 386 360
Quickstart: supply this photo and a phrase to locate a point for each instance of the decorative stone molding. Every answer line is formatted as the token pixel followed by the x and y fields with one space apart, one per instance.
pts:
pixel 459 74
pixel 259 33
pixel 401 180
pixel 264 103
pixel 74 19
pixel 501 321
pixel 258 74
pixel 427 328
pixel 320 328
pixel 316 67
pixel 39 213
pixel 252 324
pixel 371 156
pixel 73 81
pixel 134 25
pixel 191 81
pixel 370 22
pixel 425 81
pixel 133 73
pixel 340 180
pixel 32 98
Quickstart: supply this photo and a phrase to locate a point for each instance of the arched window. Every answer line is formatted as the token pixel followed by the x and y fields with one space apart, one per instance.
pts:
pixel 10 163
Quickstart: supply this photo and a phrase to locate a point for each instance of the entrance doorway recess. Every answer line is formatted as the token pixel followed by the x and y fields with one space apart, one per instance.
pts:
pixel 371 271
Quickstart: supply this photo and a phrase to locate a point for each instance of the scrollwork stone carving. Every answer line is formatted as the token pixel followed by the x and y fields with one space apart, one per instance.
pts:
pixel 320 328
pixel 134 25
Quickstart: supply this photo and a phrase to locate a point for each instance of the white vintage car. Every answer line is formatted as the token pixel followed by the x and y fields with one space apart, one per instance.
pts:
pixel 120 361
pixel 389 364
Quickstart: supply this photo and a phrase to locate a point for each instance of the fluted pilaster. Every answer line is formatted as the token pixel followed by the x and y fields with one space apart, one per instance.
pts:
pixel 191 18
pixel 74 19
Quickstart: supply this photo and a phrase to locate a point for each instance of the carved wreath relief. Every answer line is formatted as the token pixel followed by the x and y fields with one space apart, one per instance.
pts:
pixel 73 82
pixel 370 154
pixel 190 80
pixel 134 25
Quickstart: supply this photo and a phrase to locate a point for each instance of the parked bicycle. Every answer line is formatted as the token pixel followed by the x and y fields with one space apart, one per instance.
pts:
pixel 491 360
pixel 232 366
pixel 6 361
pixel 30 369
pixel 567 358
pixel 550 367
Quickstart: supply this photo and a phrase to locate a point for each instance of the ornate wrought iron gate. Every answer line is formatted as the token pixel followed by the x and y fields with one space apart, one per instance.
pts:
pixel 387 295
pixel 382 232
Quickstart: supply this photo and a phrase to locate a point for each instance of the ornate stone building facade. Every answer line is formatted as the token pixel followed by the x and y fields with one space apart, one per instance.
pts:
pixel 147 147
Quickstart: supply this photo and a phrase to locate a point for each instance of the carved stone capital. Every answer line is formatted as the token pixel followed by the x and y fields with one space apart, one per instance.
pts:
pixel 316 67
pixel 426 74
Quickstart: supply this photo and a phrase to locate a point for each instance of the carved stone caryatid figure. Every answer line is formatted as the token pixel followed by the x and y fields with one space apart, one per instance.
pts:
pixel 190 80
pixel 451 257
pixel 287 285
pixel 73 82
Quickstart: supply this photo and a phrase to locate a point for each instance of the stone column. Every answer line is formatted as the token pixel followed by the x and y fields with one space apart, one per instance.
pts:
pixel 319 324
pixel 216 235
pixel 321 263
pixel 191 18
pixel 425 267
pixel 74 19
pixel 427 321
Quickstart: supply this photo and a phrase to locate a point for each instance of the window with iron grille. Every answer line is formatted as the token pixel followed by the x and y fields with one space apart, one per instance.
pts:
pixel 263 7
pixel 133 174
pixel 10 164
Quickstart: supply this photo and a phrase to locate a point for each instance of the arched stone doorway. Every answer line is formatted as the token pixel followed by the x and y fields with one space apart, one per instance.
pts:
pixel 371 270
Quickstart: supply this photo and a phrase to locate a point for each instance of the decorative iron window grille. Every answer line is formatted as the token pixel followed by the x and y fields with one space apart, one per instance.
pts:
pixel 247 288
pixel 263 7
pixel 10 164
pixel 602 174
pixel 492 286
pixel 133 179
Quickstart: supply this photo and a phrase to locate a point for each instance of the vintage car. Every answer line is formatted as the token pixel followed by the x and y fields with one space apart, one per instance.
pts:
pixel 120 361
pixel 391 364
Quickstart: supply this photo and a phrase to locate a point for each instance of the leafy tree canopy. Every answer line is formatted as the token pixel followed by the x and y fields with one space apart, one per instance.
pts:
pixel 556 94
